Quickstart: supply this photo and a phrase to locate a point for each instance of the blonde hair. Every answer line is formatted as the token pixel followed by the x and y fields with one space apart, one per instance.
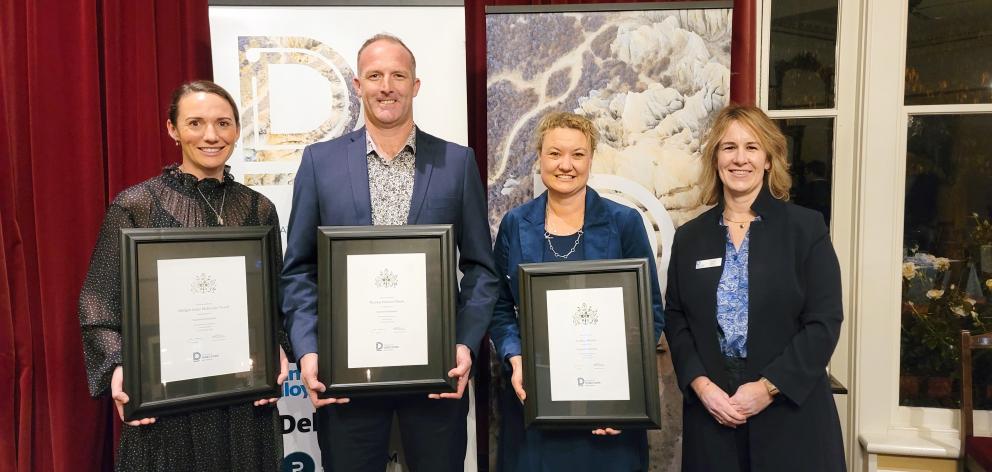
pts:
pixel 562 119
pixel 769 136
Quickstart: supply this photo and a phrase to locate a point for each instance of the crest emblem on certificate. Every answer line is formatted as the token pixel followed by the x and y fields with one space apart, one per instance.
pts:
pixel 203 283
pixel 386 279
pixel 585 315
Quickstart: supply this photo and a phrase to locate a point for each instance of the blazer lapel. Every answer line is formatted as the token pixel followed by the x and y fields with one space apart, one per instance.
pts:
pixel 712 244
pixel 358 171
pixel 427 151
pixel 599 238
pixel 532 232
pixel 763 242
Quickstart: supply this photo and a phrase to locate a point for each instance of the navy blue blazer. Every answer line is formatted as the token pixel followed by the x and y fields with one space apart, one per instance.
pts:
pixel 611 231
pixel 332 189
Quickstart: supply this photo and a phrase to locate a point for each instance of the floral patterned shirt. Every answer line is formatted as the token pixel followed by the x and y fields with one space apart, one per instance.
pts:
pixel 732 297
pixel 391 182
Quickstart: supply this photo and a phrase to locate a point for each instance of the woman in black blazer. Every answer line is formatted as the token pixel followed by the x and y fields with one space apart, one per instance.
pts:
pixel 753 312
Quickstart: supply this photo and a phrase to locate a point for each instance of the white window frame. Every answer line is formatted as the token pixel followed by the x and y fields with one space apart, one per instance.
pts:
pixel 870 121
pixel 843 185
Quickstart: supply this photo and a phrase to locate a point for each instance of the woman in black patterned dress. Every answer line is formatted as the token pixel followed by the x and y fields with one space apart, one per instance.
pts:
pixel 204 122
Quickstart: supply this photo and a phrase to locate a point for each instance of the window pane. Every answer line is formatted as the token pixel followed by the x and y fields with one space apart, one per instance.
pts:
pixel 802 53
pixel 947 257
pixel 948 51
pixel 811 156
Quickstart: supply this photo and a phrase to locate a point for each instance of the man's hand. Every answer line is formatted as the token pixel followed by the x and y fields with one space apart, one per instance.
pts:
pixel 463 367
pixel 308 372
pixel 120 398
pixel 717 402
pixel 283 375
pixel 751 398
pixel 517 377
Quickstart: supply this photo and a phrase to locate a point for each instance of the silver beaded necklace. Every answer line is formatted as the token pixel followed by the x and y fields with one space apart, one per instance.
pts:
pixel 548 237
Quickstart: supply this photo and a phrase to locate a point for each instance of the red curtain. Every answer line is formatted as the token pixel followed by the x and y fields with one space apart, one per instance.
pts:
pixel 83 90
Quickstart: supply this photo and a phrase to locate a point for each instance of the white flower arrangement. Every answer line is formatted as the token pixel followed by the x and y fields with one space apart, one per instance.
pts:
pixel 909 271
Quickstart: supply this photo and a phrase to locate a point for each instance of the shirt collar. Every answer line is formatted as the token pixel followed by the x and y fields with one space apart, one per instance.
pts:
pixel 411 142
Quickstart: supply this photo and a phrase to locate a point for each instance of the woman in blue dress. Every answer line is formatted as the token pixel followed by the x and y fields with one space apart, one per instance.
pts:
pixel 568 222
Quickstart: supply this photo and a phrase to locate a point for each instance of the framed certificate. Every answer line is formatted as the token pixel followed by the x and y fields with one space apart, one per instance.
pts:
pixel 386 309
pixel 199 319
pixel 588 345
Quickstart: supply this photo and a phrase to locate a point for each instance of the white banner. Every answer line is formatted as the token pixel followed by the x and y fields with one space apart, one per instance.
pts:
pixel 291 71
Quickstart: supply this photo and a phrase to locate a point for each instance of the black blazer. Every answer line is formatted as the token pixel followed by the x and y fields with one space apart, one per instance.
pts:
pixel 794 317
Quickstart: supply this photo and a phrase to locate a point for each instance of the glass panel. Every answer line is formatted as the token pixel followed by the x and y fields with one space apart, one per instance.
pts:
pixel 811 157
pixel 948 46
pixel 802 54
pixel 947 257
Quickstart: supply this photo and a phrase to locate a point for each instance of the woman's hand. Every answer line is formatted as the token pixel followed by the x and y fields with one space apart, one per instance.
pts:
pixel 517 377
pixel 751 398
pixel 606 432
pixel 120 398
pixel 717 402
pixel 283 375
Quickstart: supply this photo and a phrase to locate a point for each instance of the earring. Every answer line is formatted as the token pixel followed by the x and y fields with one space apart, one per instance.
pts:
pixel 177 142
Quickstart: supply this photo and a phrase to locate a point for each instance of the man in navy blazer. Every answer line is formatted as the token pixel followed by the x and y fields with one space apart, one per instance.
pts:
pixel 390 172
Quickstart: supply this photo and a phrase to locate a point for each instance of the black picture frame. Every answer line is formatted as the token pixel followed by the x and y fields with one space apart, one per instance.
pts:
pixel 643 409
pixel 334 244
pixel 141 249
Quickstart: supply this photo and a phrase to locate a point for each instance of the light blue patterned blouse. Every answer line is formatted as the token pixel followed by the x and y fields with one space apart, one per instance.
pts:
pixel 732 297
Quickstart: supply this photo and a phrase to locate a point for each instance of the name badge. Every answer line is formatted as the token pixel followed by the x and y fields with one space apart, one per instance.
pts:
pixel 707 263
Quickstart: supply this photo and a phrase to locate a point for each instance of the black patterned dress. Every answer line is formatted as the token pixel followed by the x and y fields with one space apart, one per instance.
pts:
pixel 241 437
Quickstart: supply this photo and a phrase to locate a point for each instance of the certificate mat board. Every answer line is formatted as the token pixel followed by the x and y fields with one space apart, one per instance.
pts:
pixel 588 345
pixel 204 324
pixel 387 309
pixel 411 267
pixel 222 280
pixel 587 355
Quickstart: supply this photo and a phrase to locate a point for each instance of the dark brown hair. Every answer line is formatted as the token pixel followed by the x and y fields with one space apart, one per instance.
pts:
pixel 200 86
